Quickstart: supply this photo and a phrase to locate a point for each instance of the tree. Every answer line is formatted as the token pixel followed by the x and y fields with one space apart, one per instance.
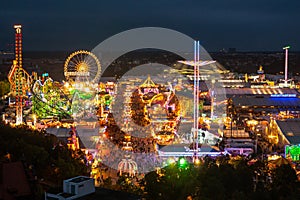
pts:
pixel 284 182
pixel 174 182
pixel 43 155
pixel 4 88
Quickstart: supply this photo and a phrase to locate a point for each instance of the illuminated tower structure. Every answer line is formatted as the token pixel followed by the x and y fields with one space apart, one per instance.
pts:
pixel 196 63
pixel 18 81
pixel 261 73
pixel 286 48
pixel 18 44
pixel 18 77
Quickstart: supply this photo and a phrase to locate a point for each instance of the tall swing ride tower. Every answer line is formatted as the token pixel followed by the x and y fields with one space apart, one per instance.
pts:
pixel 196 63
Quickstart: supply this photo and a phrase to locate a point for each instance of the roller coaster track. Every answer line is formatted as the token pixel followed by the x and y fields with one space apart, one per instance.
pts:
pixel 36 92
pixel 25 76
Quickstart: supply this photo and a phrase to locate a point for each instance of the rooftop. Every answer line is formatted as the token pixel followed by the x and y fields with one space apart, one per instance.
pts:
pixel 291 130
pixel 13 181
pixel 184 148
pixel 255 91
pixel 79 179
pixel 266 101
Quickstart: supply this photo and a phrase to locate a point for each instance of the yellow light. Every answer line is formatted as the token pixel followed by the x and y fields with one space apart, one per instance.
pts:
pixel 273 157
pixel 171 161
pixel 197 161
pixel 17 26
pixel 34 119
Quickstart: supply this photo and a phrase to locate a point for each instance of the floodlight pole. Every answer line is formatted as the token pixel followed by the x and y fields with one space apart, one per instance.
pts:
pixel 286 64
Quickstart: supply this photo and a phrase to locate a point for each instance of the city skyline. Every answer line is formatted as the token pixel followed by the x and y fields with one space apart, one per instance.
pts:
pixel 246 26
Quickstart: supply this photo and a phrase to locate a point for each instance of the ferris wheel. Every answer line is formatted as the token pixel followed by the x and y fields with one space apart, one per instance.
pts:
pixel 82 66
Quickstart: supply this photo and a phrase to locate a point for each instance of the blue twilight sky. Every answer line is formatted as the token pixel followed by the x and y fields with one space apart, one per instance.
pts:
pixel 248 25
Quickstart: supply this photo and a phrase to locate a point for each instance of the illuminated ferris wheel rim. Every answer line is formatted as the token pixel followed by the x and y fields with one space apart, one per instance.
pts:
pixel 82 57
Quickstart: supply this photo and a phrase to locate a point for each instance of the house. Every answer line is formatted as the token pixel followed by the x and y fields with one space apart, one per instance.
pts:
pixel 13 181
pixel 74 188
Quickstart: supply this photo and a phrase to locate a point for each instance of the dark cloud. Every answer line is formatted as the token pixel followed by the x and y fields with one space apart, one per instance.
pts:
pixel 69 25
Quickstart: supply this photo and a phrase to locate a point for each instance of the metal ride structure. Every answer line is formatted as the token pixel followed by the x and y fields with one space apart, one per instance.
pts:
pixel 82 66
pixel 157 106
pixel 19 79
pixel 49 100
pixel 196 63
pixel 82 70
pixel 104 101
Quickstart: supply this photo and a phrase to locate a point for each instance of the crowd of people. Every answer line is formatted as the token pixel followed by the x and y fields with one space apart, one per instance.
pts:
pixel 137 125
pixel 138 113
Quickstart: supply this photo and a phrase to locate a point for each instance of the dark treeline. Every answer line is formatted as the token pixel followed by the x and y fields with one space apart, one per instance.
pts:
pixel 46 160
pixel 223 178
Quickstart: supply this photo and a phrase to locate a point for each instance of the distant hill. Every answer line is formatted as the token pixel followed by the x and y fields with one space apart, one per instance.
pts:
pixel 242 62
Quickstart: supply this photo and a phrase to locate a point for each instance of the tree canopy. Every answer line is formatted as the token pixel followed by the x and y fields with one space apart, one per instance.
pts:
pixel 222 178
pixel 46 160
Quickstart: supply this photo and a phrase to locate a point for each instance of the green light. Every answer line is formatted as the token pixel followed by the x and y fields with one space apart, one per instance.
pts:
pixel 182 162
pixel 293 152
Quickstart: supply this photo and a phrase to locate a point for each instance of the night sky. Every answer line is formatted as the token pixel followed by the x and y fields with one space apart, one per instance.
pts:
pixel 248 25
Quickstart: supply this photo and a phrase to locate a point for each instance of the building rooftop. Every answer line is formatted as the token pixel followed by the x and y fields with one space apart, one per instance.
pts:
pixel 79 179
pixel 291 130
pixel 266 101
pixel 184 148
pixel 13 181
pixel 84 136
pixel 254 91
pixel 66 195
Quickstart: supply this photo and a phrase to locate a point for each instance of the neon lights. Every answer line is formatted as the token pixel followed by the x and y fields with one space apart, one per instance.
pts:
pixel 284 95
pixel 292 152
pixel 77 73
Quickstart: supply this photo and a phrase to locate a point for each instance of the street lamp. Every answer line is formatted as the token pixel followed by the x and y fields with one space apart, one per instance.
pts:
pixel 286 48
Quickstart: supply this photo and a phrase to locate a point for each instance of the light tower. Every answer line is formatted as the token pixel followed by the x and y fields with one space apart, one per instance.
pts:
pixel 19 88
pixel 286 48
pixel 18 44
pixel 19 79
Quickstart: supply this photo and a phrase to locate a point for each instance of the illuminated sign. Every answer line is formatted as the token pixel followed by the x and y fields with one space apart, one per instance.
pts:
pixel 77 73
pixel 292 152
pixel 148 90
pixel 284 95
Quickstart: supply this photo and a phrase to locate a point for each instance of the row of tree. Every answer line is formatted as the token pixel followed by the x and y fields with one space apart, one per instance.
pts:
pixel 4 87
pixel 223 178
pixel 47 161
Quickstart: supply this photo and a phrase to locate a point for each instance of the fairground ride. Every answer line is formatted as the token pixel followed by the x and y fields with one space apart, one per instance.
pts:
pixel 82 71
pixel 149 98
pixel 49 100
pixel 19 79
pixel 82 66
